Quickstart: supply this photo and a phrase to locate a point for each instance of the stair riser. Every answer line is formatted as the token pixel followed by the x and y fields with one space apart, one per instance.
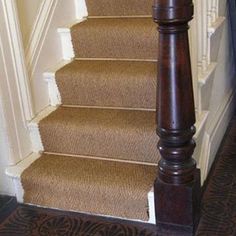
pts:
pixel 115 38
pixel 119 7
pixel 121 134
pixel 20 198
pixel 117 84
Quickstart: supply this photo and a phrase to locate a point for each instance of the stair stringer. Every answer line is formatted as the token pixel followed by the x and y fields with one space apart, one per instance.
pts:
pixel 214 73
pixel 45 43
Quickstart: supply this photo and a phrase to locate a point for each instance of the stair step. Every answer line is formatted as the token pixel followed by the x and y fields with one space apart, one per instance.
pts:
pixel 92 186
pixel 119 7
pixel 130 38
pixel 122 134
pixel 126 84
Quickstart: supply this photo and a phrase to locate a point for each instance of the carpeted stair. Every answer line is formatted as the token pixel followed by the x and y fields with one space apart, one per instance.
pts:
pixel 100 152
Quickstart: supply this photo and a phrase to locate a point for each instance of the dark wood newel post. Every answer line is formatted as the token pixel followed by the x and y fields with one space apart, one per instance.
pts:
pixel 177 186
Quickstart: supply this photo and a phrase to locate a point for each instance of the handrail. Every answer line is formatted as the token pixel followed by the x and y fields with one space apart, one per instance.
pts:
pixel 177 186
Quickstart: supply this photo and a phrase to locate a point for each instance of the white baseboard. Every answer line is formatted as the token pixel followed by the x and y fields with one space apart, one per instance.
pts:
pixel 214 135
pixel 81 9
pixel 198 137
pixel 66 43
pixel 36 140
pixel 14 172
pixel 53 91
pixel 151 206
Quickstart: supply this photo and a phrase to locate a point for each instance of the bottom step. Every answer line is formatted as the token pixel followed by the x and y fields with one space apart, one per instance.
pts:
pixel 88 185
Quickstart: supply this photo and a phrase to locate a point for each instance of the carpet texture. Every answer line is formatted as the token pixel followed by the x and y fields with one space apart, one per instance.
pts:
pixel 126 38
pixel 99 144
pixel 119 7
pixel 118 134
pixel 94 186
pixel 123 84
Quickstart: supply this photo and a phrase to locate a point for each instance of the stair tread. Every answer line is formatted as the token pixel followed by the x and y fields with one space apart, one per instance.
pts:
pixel 130 38
pixel 120 134
pixel 119 7
pixel 127 84
pixel 95 186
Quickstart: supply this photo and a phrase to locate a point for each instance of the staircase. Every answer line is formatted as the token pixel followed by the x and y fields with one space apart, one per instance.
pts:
pixel 99 147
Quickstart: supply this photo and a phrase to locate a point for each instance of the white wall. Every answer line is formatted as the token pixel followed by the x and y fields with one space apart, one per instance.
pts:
pixel 28 12
pixel 223 87
pixel 219 93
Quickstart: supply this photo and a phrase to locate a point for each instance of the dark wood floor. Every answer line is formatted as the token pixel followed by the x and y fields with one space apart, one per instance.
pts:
pixel 218 209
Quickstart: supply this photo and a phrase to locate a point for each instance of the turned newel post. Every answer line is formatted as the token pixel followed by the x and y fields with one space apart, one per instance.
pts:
pixel 178 183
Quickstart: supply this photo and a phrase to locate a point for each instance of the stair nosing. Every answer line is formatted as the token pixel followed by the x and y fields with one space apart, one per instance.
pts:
pixel 118 17
pixel 109 108
pixel 101 158
pixel 113 59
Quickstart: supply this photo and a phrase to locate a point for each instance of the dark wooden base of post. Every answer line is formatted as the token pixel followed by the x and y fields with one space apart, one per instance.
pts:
pixel 178 206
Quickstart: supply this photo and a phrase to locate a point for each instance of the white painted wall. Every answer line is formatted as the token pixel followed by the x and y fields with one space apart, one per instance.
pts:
pixel 218 95
pixel 28 12
pixel 223 84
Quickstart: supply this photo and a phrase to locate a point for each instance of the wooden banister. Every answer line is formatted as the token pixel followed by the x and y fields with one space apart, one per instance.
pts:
pixel 177 187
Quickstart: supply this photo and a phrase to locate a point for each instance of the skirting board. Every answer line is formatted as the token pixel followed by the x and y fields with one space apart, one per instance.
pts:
pixel 214 135
pixel 36 141
pixel 66 41
pixel 53 91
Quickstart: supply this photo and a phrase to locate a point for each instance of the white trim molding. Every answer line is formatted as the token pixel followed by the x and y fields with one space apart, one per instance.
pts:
pixel 17 52
pixel 81 9
pixel 66 43
pixel 14 87
pixel 46 48
pixel 39 32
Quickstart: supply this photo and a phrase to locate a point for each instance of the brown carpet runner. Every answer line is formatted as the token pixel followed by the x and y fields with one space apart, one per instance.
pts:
pixel 126 38
pixel 104 187
pixel 118 134
pixel 119 7
pixel 126 84
pixel 98 146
